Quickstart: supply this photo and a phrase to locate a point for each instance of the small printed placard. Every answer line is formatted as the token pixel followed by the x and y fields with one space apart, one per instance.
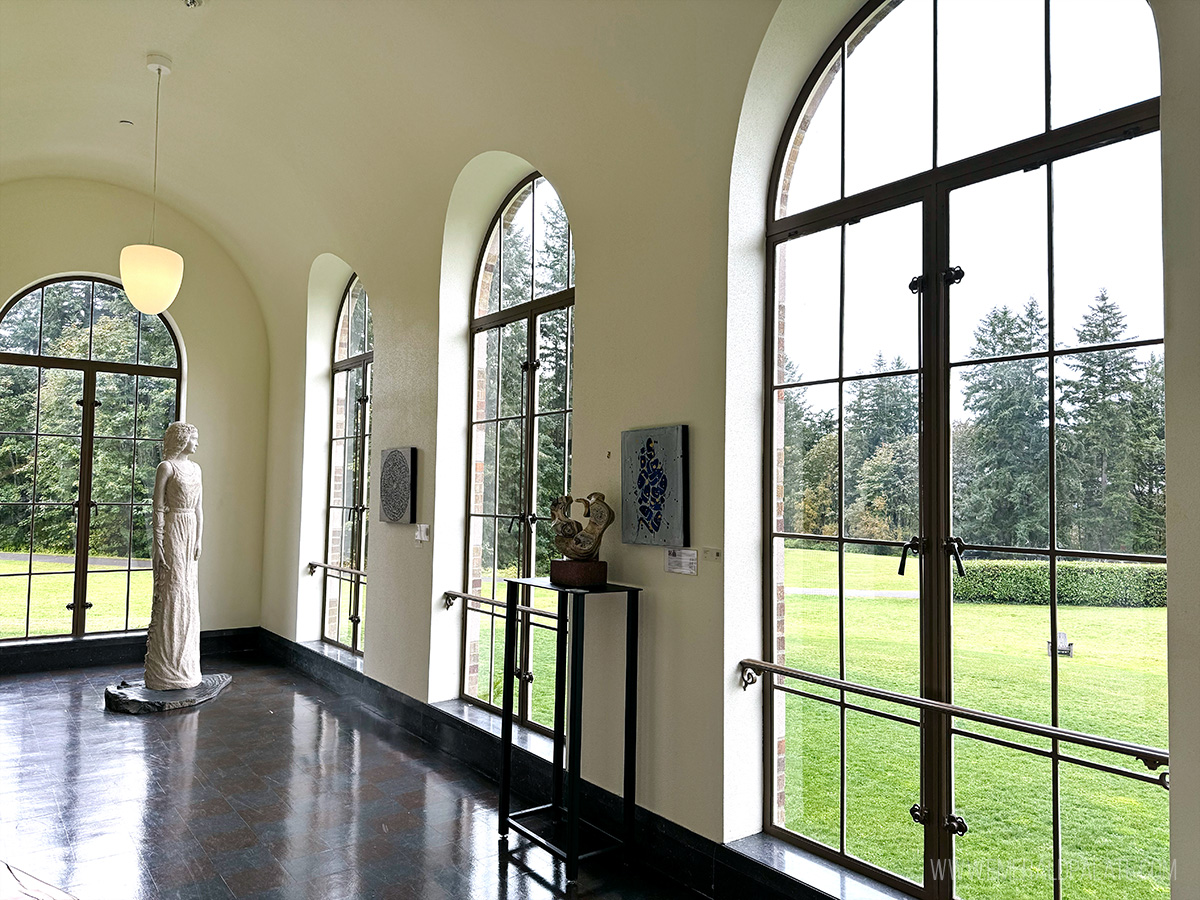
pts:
pixel 681 562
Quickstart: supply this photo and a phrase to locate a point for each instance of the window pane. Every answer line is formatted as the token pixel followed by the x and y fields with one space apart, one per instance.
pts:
pixel 551 479
pixel 54 538
pixel 482 556
pixel 808 800
pixel 998 237
pixel 1111 451
pixel 991 75
pixel 156 406
pixel 510 468
pixel 880 452
pixel 882 782
pixel 478 680
pixel 1000 447
pixel 542 651
pixel 149 455
pixel 808 307
pixel 114 415
pixel 67 319
pixel 883 253
pixel 141 591
pixel 1112 680
pixel 48 599
pixel 1108 244
pixel 358 318
pixel 16 468
pixel 550 241
pixel 508 553
pixel 18 398
pixel 15 523
pixel 889 96
pixel 342 423
pixel 486 384
pixel 514 352
pixel 141 538
pixel 333 599
pixel 483 468
pixel 883 620
pixel 516 249
pixel 1103 55
pixel 552 332
pixel 20 329
pixel 487 295
pixel 60 410
pixel 156 347
pixel 806 459
pixel 806 606
pixel 1001 623
pixel 114 330
pixel 812 169
pixel 989 862
pixel 14 599
pixel 112 470
pixel 107 592
pixel 57 470
pixel 1115 837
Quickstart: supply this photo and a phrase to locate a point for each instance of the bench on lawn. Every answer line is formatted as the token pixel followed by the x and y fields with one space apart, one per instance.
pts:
pixel 1065 647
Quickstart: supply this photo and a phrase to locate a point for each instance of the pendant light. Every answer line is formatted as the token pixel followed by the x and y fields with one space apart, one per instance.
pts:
pixel 151 275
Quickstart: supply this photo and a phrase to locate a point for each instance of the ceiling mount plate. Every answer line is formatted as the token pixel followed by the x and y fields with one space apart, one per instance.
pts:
pixel 157 62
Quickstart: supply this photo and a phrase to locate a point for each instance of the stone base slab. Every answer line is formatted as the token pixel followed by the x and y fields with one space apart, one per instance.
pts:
pixel 135 698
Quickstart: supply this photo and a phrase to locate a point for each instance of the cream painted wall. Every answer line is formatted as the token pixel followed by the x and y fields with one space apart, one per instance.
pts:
pixel 50 226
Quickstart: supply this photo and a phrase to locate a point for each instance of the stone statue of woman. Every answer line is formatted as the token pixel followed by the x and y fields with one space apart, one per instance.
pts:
pixel 173 641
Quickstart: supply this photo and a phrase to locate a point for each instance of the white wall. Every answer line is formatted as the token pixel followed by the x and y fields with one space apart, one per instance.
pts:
pixel 49 226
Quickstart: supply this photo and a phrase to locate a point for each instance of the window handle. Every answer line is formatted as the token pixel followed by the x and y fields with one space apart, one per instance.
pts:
pixel 956 825
pixel 914 544
pixel 957 548
pixel 953 275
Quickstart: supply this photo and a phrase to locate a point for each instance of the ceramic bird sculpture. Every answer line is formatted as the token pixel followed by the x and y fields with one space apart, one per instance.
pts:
pixel 575 541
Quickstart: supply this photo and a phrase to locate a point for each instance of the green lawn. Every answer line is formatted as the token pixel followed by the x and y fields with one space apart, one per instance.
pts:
pixel 48 594
pixel 1115 830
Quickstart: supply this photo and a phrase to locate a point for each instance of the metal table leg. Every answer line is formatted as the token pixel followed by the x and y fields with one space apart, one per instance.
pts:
pixel 506 725
pixel 631 700
pixel 560 696
pixel 575 744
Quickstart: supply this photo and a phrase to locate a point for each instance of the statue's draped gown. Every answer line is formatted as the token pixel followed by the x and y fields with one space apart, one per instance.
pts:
pixel 173 642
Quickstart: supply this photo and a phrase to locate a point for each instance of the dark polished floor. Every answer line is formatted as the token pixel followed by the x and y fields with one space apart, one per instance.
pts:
pixel 278 788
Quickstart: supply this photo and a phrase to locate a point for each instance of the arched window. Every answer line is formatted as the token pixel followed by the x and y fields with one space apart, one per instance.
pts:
pixel 350 451
pixel 522 322
pixel 88 385
pixel 965 367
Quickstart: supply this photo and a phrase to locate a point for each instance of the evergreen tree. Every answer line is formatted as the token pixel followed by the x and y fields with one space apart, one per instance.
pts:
pixel 879 411
pixel 1001 455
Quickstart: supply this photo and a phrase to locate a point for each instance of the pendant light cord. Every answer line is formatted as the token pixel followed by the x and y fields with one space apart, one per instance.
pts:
pixel 154 195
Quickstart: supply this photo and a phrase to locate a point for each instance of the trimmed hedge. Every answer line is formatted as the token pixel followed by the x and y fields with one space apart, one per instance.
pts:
pixel 1080 583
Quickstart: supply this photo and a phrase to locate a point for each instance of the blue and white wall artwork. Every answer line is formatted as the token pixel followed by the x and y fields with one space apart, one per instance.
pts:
pixel 654 486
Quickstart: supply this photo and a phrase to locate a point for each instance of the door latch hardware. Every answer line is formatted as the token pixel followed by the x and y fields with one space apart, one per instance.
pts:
pixel 953 275
pixel 522 675
pixel 913 544
pixel 957 548
pixel 956 825
pixel 917 284
pixel 918 813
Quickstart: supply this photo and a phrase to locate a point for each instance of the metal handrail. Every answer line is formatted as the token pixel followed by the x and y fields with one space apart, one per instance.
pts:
pixel 450 596
pixel 1152 757
pixel 313 566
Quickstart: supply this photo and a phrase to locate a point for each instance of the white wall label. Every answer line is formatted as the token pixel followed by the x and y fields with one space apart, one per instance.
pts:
pixel 682 562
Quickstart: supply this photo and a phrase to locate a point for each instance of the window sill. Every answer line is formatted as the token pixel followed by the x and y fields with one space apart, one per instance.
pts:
pixel 338 655
pixel 527 739
pixel 803 874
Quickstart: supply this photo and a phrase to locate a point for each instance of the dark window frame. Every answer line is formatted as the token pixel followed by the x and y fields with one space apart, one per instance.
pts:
pixel 529 311
pixel 90 369
pixel 931 188
pixel 360 530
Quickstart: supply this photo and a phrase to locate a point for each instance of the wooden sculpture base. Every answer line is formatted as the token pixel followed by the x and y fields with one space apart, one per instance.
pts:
pixel 578 572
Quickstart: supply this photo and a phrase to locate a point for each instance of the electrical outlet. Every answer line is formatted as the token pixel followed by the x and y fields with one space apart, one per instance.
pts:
pixel 712 553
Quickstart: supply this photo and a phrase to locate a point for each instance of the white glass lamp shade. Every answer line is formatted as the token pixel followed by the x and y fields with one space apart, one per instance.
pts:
pixel 151 276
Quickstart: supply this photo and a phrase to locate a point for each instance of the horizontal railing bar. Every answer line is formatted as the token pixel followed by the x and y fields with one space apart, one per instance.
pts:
pixel 450 596
pixel 313 566
pixel 1062 757
pixel 1153 757
pixel 843 704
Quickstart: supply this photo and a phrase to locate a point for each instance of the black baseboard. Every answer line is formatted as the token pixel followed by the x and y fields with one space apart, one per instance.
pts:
pixel 51 654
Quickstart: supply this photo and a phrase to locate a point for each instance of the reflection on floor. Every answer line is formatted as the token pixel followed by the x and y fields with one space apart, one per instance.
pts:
pixel 279 788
